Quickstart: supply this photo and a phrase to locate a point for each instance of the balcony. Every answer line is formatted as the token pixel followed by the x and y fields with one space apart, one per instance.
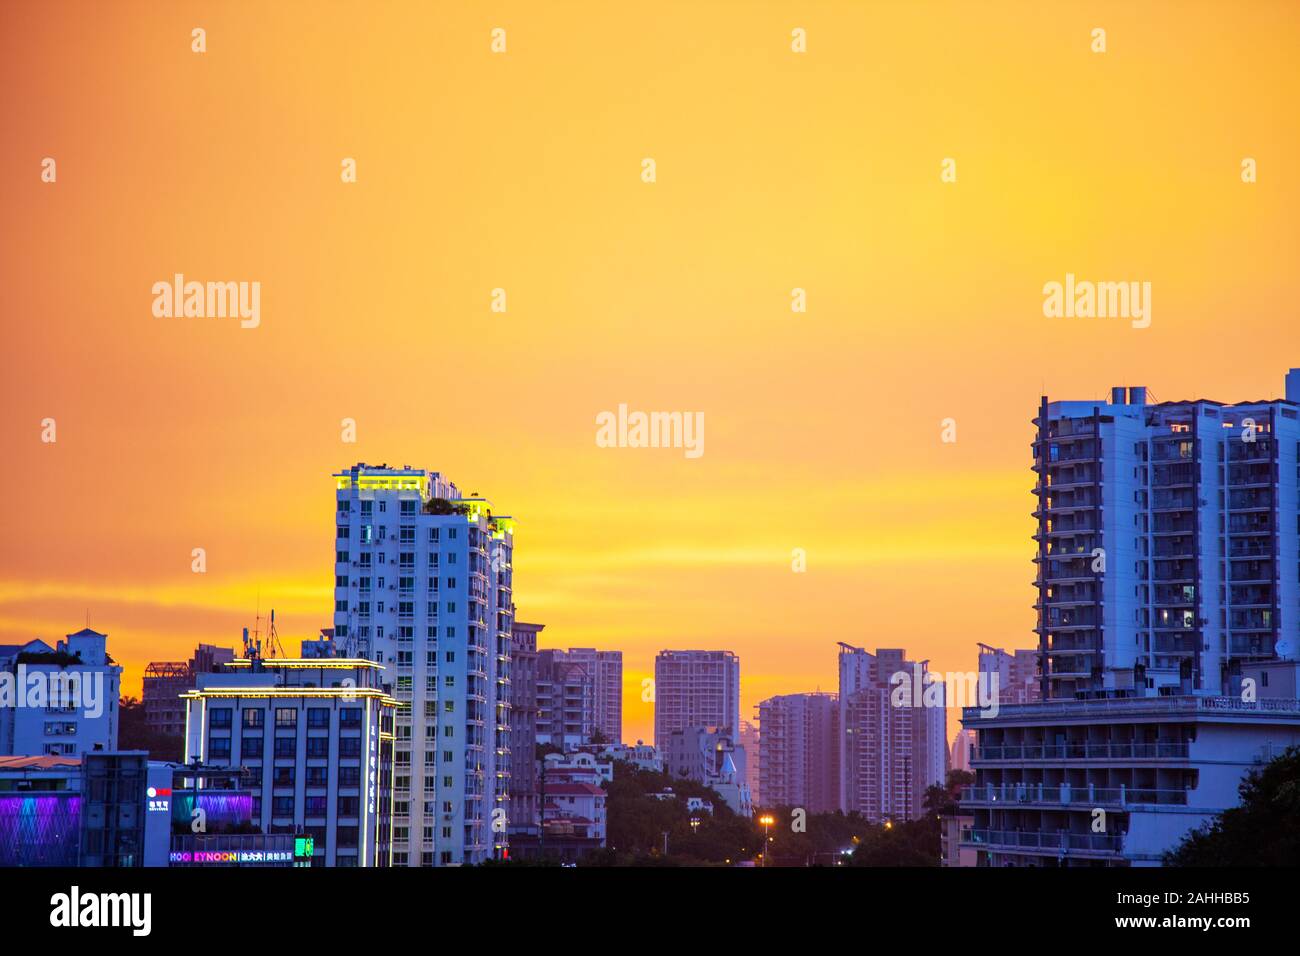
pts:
pixel 1164 750
pixel 1065 795
pixel 1059 841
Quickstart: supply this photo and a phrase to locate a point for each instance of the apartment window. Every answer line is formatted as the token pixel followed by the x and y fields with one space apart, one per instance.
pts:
pixel 349 776
pixel 286 717
pixel 318 718
pixel 317 776
pixel 350 717
pixel 349 746
pixel 317 747
pixel 367 507
pixel 315 806
pixel 250 748
pixel 220 719
pixel 254 718
pixel 218 749
pixel 283 777
pixel 433 534
pixel 408 507
pixel 286 747
pixel 282 806
pixel 341 557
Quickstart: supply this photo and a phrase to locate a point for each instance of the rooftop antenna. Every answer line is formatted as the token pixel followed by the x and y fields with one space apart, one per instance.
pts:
pixel 273 646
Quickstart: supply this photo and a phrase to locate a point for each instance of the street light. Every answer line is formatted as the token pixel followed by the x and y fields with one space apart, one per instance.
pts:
pixel 767 821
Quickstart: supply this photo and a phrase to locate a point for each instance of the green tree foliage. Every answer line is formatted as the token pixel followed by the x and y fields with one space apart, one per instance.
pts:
pixel 1263 831
pixel 134 734
pixel 637 823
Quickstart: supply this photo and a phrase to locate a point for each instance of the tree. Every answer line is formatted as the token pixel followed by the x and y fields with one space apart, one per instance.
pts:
pixel 1263 831
pixel 134 734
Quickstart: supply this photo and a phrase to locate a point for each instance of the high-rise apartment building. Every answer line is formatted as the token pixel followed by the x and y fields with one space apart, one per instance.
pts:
pixel 525 810
pixel 566 699
pixel 1167 541
pixel 893 739
pixel 1168 622
pixel 696 689
pixel 606 669
pixel 1016 674
pixel 423 586
pixel 798 752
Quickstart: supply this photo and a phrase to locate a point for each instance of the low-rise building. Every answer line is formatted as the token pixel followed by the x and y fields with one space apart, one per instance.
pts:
pixel 710 756
pixel 165 681
pixel 59 701
pixel 313 739
pixel 1112 781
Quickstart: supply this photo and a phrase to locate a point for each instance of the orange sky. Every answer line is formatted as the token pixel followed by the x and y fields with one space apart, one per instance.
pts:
pixel 522 171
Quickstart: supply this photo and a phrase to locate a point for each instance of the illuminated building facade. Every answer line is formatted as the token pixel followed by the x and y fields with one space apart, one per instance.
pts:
pixel 314 743
pixel 423 586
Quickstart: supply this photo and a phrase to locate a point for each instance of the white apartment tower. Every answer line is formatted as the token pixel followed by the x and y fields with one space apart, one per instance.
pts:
pixel 1167 539
pixel 423 587
pixel 1168 554
pixel 696 689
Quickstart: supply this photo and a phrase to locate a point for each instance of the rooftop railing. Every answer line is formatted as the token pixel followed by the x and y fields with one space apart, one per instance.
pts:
pixel 1121 706
pixel 1045 840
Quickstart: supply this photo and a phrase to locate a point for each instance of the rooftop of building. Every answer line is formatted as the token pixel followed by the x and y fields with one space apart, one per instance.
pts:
pixel 38 763
pixel 1232 709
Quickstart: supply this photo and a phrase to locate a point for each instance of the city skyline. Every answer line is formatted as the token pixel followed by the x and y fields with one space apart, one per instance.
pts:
pixel 924 302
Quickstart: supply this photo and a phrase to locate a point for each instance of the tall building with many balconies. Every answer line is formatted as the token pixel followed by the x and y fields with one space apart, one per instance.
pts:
pixel 892 733
pixel 696 689
pixel 1168 543
pixel 566 699
pixel 1169 630
pixel 606 669
pixel 798 752
pixel 525 808
pixel 423 586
